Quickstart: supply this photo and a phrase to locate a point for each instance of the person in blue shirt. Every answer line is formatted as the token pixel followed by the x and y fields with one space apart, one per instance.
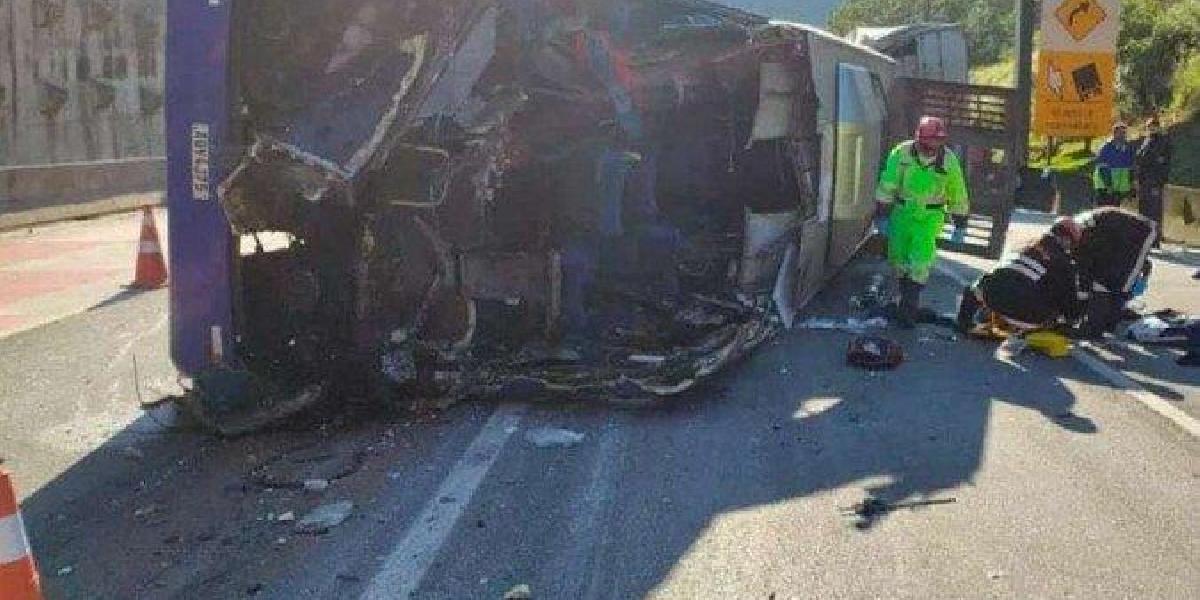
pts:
pixel 1113 177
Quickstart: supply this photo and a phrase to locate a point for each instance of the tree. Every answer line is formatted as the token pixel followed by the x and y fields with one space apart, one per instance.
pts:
pixel 990 25
pixel 1156 37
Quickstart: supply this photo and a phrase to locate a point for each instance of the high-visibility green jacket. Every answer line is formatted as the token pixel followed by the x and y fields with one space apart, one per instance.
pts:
pixel 906 178
pixel 1114 167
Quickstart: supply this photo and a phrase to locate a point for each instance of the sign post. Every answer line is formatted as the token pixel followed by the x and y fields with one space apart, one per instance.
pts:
pixel 1023 106
pixel 1075 91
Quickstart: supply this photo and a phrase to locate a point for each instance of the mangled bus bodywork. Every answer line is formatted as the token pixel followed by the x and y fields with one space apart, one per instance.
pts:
pixel 474 198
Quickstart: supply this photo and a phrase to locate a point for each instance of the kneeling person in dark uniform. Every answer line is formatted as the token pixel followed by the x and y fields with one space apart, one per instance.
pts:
pixel 1034 290
pixel 1114 264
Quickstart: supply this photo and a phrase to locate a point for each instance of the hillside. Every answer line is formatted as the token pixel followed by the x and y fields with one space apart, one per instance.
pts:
pixel 1183 121
pixel 813 12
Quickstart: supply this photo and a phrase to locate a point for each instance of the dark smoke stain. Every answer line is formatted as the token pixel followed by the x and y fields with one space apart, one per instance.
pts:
pixel 48 14
pixel 151 100
pixel 52 99
pixel 105 95
pixel 147 33
pixel 97 14
pixel 83 67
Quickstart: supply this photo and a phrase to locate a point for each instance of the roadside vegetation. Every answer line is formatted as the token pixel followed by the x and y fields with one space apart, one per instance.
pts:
pixel 1158 50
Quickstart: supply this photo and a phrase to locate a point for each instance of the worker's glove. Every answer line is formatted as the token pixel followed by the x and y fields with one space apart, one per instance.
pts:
pixel 959 236
pixel 882 213
pixel 1140 286
pixel 881 225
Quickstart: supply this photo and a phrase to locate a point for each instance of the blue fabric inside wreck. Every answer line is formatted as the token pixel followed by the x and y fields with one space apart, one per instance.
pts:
pixel 627 245
pixel 602 61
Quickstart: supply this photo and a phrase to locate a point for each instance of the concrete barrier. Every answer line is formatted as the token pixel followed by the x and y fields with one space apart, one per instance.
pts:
pixel 1182 215
pixel 39 194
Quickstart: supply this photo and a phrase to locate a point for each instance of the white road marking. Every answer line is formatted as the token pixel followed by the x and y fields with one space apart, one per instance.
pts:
pixel 575 570
pixel 1151 400
pixel 1086 355
pixel 406 566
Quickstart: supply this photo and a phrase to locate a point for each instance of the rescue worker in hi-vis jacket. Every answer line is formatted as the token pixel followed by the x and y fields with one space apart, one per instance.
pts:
pixel 921 183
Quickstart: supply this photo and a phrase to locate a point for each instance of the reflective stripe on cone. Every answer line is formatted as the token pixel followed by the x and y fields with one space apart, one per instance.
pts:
pixel 150 271
pixel 18 573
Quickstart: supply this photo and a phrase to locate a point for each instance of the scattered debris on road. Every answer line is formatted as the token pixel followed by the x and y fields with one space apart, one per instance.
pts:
pixel 872 507
pixel 1050 343
pixel 519 592
pixel 851 324
pixel 232 403
pixel 316 485
pixel 874 353
pixel 1165 327
pixel 325 517
pixel 312 469
pixel 1046 342
pixel 875 298
pixel 552 437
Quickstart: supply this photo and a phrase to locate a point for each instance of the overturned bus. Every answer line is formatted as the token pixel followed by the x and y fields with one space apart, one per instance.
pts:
pixel 594 199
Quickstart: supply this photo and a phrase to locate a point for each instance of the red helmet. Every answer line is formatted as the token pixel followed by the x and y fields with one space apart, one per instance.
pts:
pixel 1068 230
pixel 931 129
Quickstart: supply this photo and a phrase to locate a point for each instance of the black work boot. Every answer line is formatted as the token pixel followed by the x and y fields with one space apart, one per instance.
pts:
pixel 910 303
pixel 968 306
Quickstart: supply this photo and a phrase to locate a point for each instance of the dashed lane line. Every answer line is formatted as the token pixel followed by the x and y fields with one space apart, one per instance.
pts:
pixel 405 567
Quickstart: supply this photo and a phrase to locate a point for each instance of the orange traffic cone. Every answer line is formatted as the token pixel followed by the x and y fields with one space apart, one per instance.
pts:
pixel 18 574
pixel 151 268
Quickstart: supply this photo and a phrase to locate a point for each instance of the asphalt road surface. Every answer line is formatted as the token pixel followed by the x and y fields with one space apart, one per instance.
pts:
pixel 994 478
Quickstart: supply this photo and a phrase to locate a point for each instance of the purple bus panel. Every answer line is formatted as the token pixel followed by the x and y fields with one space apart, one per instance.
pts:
pixel 197 125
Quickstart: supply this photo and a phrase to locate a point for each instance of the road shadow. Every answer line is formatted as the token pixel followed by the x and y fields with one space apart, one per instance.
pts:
pixel 166 511
pixel 921 427
pixel 182 518
pixel 126 293
pixel 794 421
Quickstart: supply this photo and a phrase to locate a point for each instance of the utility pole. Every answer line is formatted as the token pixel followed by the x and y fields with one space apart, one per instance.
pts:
pixel 1025 20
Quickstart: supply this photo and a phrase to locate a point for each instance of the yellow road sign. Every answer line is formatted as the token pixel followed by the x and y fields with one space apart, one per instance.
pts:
pixel 1075 93
pixel 1080 17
